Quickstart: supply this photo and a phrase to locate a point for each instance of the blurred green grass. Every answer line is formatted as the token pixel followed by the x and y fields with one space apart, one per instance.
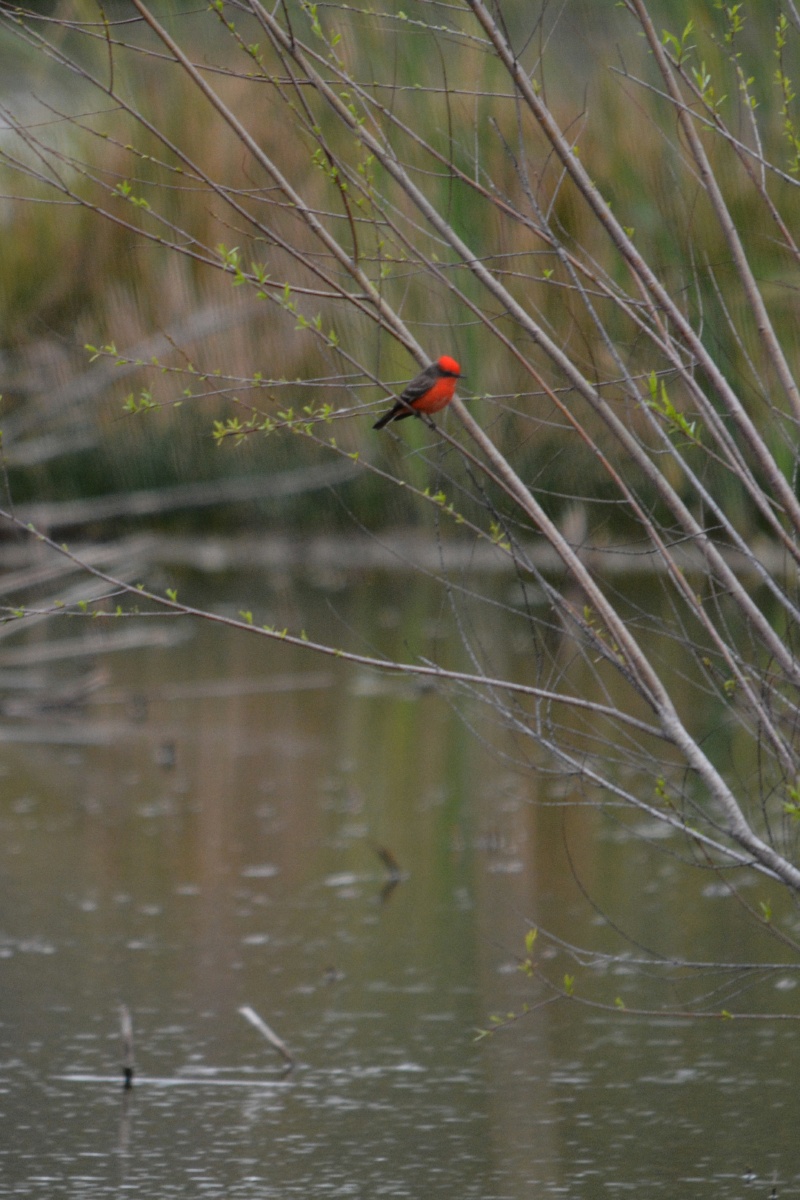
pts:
pixel 70 278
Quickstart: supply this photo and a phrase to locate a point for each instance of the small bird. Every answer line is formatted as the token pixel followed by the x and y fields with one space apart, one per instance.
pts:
pixel 431 391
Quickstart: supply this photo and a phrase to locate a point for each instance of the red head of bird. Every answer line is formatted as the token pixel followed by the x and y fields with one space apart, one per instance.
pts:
pixel 448 366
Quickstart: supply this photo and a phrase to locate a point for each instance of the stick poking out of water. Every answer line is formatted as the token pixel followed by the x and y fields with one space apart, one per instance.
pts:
pixel 126 1028
pixel 263 1028
pixel 393 873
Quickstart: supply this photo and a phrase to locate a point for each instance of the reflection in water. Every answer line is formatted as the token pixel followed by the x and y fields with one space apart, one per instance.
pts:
pixel 354 863
pixel 124 1137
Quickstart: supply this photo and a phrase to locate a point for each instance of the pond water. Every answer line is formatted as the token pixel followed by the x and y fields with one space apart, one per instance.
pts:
pixel 211 830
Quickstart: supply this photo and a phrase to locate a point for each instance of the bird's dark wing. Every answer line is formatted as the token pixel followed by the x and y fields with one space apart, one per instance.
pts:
pixel 419 386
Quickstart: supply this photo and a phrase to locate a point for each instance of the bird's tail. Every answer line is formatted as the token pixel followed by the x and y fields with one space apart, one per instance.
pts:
pixel 398 413
pixel 384 420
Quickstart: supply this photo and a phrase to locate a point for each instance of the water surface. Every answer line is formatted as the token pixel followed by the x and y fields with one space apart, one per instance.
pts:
pixel 204 833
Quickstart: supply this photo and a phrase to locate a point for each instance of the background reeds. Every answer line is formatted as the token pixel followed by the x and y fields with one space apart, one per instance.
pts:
pixel 70 279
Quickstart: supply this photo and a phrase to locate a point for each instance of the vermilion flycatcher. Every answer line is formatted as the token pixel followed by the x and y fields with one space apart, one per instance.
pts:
pixel 431 391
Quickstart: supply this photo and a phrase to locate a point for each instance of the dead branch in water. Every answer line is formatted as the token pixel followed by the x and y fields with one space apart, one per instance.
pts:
pixel 126 1028
pixel 263 1028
